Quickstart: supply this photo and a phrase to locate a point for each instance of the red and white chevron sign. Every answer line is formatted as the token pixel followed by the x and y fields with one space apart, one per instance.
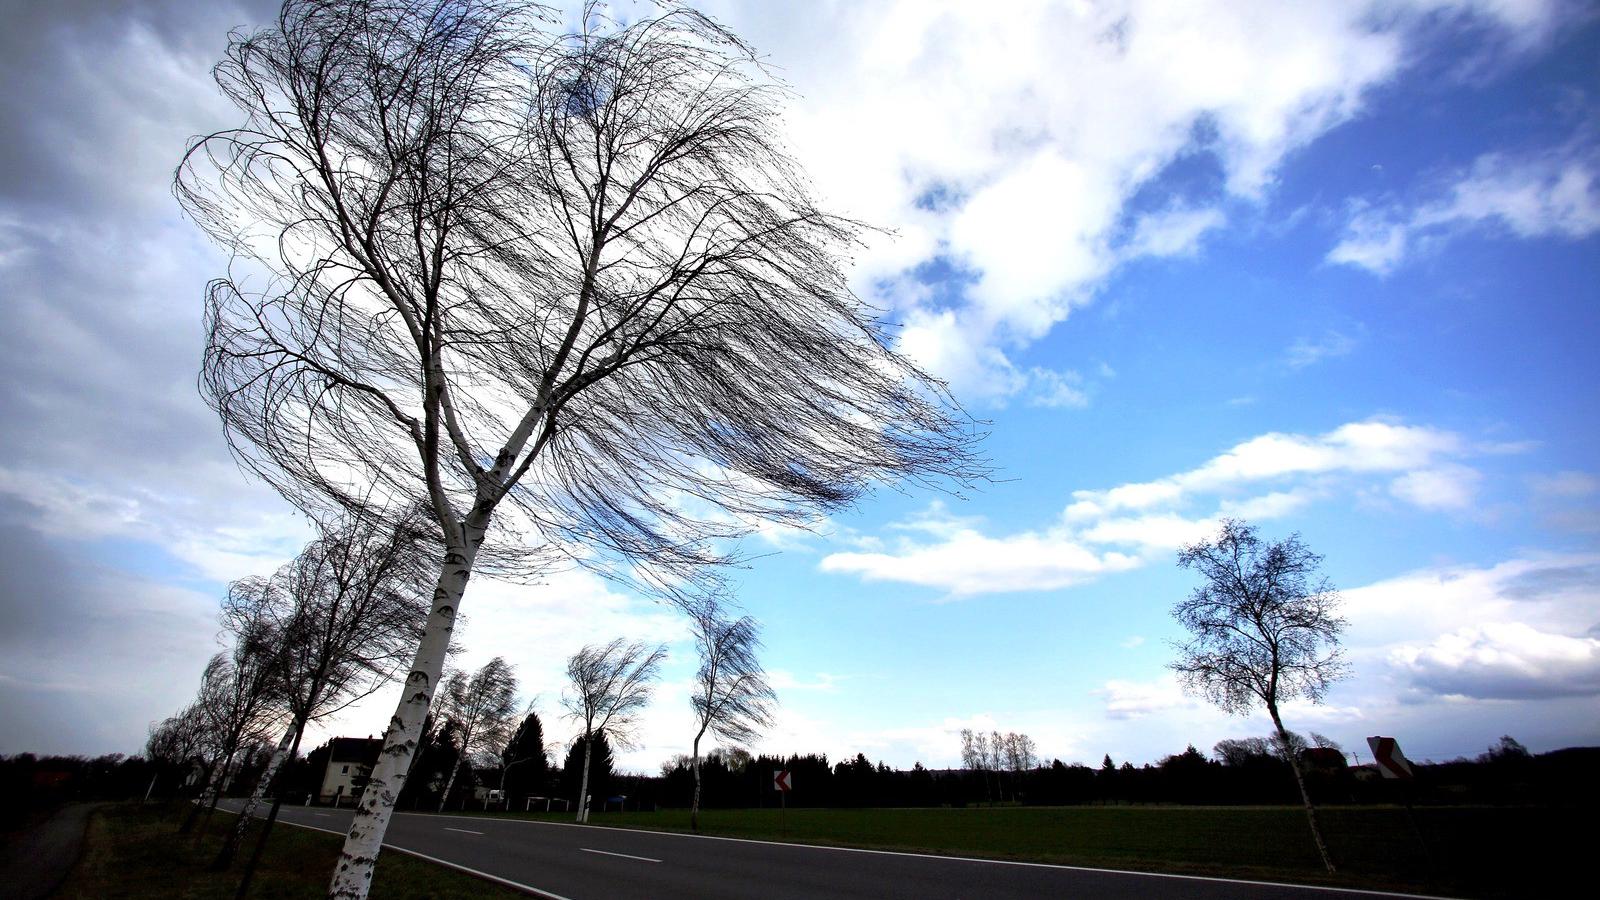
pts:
pixel 1391 762
pixel 780 780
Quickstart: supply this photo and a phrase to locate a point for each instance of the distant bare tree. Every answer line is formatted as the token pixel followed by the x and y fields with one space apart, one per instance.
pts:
pixel 1021 754
pixel 175 743
pixel 484 707
pixel 239 700
pixel 610 686
pixel 1264 629
pixel 732 698
pixel 346 612
pixel 975 756
pixel 563 282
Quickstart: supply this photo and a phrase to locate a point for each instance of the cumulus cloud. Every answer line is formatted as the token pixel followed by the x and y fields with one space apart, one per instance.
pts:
pixel 1137 699
pixel 968 562
pixel 1503 661
pixel 965 136
pixel 1521 629
pixel 1556 194
pixel 1451 486
pixel 1371 446
pixel 1101 532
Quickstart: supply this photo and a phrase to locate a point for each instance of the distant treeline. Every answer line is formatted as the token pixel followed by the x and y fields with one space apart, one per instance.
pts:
pixel 1506 774
pixel 1558 777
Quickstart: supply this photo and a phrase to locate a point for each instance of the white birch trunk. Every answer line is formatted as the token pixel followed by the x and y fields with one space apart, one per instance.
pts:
pixel 694 806
pixel 1305 795
pixel 583 785
pixel 451 781
pixel 352 877
pixel 280 753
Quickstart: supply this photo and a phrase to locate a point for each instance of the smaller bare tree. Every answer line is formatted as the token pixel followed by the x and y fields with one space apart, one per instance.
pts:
pixel 610 686
pixel 175 743
pixel 344 614
pixel 1264 629
pixel 732 698
pixel 975 756
pixel 238 702
pixel 484 707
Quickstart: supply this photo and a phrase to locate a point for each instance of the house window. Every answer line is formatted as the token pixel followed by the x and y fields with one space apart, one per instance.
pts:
pixel 344 770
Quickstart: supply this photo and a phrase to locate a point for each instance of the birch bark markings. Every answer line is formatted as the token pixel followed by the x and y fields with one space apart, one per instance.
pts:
pixel 352 876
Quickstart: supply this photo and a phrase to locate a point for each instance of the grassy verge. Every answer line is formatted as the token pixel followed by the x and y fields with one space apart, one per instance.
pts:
pixel 1469 851
pixel 133 853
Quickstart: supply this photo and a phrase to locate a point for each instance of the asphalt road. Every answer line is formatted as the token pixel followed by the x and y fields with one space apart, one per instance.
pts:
pixel 36 860
pixel 573 862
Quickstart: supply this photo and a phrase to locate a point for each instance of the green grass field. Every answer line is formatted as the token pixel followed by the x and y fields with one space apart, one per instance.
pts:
pixel 134 853
pixel 1470 851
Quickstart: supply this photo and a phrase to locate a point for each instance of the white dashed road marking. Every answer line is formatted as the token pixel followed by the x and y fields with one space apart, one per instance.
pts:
pixel 623 855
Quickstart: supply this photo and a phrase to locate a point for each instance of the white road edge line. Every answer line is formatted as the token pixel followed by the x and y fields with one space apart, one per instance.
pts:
pixel 970 859
pixel 462 830
pixel 515 885
pixel 623 855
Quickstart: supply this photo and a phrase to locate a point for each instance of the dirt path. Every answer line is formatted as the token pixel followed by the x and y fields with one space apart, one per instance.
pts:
pixel 33 863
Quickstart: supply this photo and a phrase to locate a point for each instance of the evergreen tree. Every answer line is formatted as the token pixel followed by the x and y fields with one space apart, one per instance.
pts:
pixel 600 780
pixel 525 769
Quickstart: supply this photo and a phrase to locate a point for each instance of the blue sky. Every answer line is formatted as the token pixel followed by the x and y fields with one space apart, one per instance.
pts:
pixel 1332 267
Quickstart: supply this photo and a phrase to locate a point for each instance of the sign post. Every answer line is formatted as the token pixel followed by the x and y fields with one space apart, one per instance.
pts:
pixel 1393 765
pixel 781 782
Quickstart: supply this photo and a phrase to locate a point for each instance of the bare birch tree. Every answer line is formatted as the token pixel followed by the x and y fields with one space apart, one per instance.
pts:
pixel 732 699
pixel 975 756
pixel 1264 629
pixel 175 743
pixel 610 686
pixel 239 698
pixel 566 284
pixel 347 613
pixel 484 707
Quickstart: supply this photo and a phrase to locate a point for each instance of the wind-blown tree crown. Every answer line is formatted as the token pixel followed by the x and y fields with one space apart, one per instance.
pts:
pixel 1264 625
pixel 577 273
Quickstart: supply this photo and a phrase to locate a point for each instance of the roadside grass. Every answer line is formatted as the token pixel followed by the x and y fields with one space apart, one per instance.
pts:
pixel 1489 852
pixel 134 852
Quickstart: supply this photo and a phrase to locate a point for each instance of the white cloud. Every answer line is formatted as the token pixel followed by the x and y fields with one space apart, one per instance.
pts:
pixel 1521 629
pixel 966 136
pixel 1172 232
pixel 1450 486
pixel 1102 532
pixel 1374 445
pixel 968 562
pixel 1136 699
pixel 1056 389
pixel 1552 195
pixel 1503 660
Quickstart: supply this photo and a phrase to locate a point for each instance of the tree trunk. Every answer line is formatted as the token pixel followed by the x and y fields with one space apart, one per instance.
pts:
pixel 207 796
pixel 451 781
pixel 352 877
pixel 218 784
pixel 694 806
pixel 583 785
pixel 1300 780
pixel 231 845
pixel 266 827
